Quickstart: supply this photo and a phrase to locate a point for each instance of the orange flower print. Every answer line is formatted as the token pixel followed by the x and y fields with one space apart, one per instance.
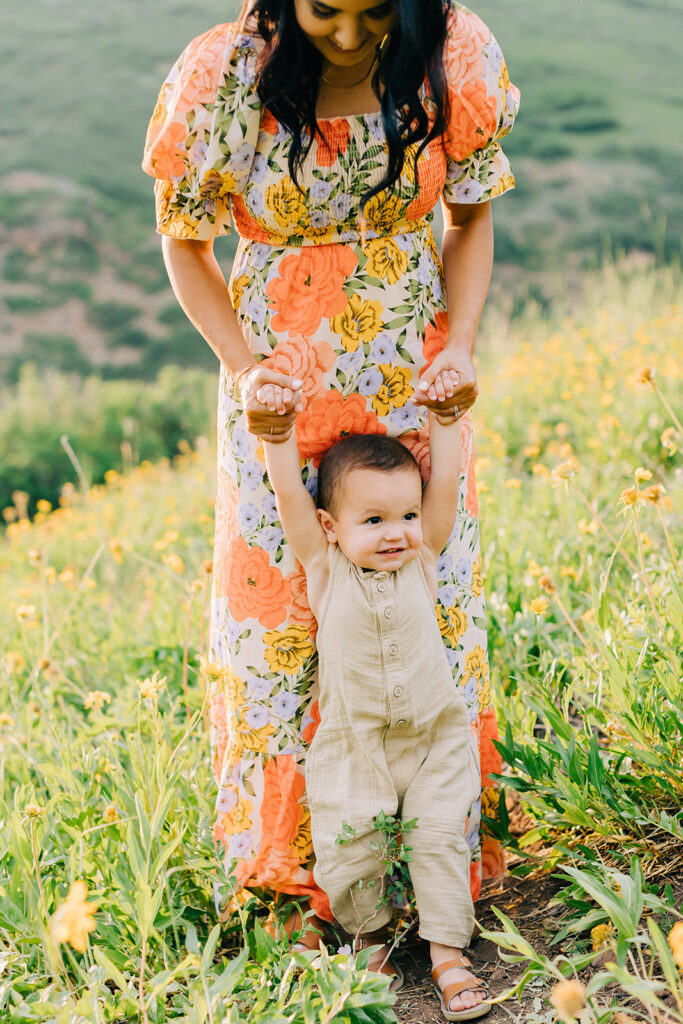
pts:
pixel 166 150
pixel 309 361
pixel 463 57
pixel 417 442
pixel 492 858
pixel 299 610
pixel 490 759
pixel 201 71
pixel 331 417
pixel 334 141
pixel 311 729
pixel 281 814
pixel 268 123
pixel 257 589
pixel 310 287
pixel 219 731
pixel 436 336
pixel 473 119
pixel 475 879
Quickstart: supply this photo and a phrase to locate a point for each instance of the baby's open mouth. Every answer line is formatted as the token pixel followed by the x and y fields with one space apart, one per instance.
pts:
pixel 391 551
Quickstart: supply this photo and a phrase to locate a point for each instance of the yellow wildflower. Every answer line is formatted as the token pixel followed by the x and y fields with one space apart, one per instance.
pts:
pixel 287 651
pixel 14 662
pixel 539 606
pixel 67 575
pixel 6 719
pixel 174 562
pixel 654 494
pixel 96 699
pixel 675 940
pixel 630 496
pixel 601 935
pixel 43 505
pixel 386 260
pixel 361 321
pixel 35 555
pixel 197 586
pixel 72 921
pixel 564 471
pixel 34 811
pixel 148 689
pixel 531 451
pixel 641 475
pixel 116 547
pixel 513 483
pixel 286 202
pixel 587 527
pixel 538 469
pixel 547 583
pixel 208 566
pixel 569 572
pixel 50 574
pixel 452 623
pixel 568 998
pixel 668 441
pixel 395 391
pixel 589 615
pixel 645 376
pixel 25 611
pixel 534 568
pixel 111 814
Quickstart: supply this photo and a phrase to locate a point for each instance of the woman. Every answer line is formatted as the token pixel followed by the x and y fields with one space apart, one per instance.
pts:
pixel 329 131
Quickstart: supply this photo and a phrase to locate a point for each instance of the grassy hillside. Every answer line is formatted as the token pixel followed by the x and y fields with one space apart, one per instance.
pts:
pixel 595 154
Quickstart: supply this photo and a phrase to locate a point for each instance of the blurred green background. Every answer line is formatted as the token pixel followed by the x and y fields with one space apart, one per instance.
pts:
pixel 597 153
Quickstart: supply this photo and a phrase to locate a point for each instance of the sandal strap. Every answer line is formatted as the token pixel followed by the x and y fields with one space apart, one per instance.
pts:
pixel 460 961
pixel 462 986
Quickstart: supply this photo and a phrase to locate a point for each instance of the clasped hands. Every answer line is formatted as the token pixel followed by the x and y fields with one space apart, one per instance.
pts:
pixel 272 400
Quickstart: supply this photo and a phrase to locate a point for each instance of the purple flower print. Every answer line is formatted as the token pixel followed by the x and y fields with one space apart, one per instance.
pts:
pixel 257 716
pixel 370 381
pixel 249 518
pixel 284 705
pixel 252 475
pixel 383 349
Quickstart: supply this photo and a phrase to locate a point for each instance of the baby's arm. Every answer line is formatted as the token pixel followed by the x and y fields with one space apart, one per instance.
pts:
pixel 295 505
pixel 440 496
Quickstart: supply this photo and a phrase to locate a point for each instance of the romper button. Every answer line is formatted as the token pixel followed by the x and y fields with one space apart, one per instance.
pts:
pixel 398 690
pixel 381 587
pixel 401 721
pixel 388 613
pixel 393 649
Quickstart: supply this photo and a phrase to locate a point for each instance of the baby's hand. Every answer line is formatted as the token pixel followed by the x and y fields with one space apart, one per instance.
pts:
pixel 275 397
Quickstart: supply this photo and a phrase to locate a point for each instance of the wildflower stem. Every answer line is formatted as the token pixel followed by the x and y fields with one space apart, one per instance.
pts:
pixel 603 525
pixel 36 868
pixel 75 462
pixel 186 648
pixel 141 980
pixel 668 408
pixel 646 581
pixel 569 620
pixel 668 541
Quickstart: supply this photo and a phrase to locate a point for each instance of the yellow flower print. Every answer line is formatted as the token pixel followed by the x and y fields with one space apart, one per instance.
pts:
pixel 395 391
pixel 286 202
pixel 452 623
pixel 507 181
pixel 239 818
pixel 287 651
pixel 237 286
pixel 504 80
pixel 489 801
pixel 182 226
pixel 382 212
pixel 217 185
pixel 385 260
pixel 477 578
pixel 302 844
pixel 361 321
pixel 232 686
pixel 476 664
pixel 484 693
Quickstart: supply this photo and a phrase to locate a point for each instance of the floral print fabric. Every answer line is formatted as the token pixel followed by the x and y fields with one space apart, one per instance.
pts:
pixel 356 309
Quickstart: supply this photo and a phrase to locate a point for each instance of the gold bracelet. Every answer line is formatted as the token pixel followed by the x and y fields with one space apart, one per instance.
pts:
pixel 236 379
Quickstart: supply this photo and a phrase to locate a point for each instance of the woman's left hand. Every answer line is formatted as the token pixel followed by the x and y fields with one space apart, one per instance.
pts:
pixel 437 391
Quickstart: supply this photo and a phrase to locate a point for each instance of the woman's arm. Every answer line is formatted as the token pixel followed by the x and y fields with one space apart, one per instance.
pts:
pixel 201 290
pixel 467 263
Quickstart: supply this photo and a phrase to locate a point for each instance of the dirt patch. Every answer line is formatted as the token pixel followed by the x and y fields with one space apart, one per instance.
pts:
pixel 525 902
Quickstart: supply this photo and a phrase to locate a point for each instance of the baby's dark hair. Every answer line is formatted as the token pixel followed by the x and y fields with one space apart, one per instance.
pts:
pixel 360 451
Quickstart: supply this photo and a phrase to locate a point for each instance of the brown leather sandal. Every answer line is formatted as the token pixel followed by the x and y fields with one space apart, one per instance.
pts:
pixel 455 988
pixel 381 959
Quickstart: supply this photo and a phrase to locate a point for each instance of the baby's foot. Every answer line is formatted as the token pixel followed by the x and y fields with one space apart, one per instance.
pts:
pixel 451 974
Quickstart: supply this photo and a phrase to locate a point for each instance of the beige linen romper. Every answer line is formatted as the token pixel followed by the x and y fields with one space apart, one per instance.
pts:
pixel 394 737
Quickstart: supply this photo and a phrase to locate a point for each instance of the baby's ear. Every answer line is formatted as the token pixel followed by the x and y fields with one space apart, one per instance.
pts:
pixel 327 523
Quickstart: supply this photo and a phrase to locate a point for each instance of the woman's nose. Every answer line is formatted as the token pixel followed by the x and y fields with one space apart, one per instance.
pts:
pixel 349 35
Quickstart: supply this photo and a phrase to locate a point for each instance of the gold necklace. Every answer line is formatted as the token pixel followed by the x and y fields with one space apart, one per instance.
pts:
pixel 352 85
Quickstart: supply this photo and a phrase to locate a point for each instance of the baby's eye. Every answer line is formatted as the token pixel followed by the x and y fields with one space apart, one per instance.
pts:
pixel 374 520
pixel 410 515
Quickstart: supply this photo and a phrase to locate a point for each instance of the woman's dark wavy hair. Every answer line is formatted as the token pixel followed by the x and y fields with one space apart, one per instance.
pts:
pixel 290 71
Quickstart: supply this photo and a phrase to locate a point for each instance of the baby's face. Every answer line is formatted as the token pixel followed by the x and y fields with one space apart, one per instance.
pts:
pixel 377 521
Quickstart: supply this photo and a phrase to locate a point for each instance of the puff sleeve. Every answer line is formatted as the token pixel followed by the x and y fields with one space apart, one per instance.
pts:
pixel 483 106
pixel 201 140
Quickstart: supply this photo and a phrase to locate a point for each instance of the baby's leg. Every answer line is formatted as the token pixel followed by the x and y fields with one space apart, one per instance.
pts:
pixel 345 785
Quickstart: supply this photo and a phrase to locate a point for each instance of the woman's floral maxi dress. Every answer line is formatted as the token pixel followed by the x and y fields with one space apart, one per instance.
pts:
pixel 356 311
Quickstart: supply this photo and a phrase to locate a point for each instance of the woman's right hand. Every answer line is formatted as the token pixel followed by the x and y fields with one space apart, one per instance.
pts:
pixel 274 417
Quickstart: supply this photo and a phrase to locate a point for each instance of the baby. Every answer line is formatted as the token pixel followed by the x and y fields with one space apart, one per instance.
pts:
pixel 394 733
